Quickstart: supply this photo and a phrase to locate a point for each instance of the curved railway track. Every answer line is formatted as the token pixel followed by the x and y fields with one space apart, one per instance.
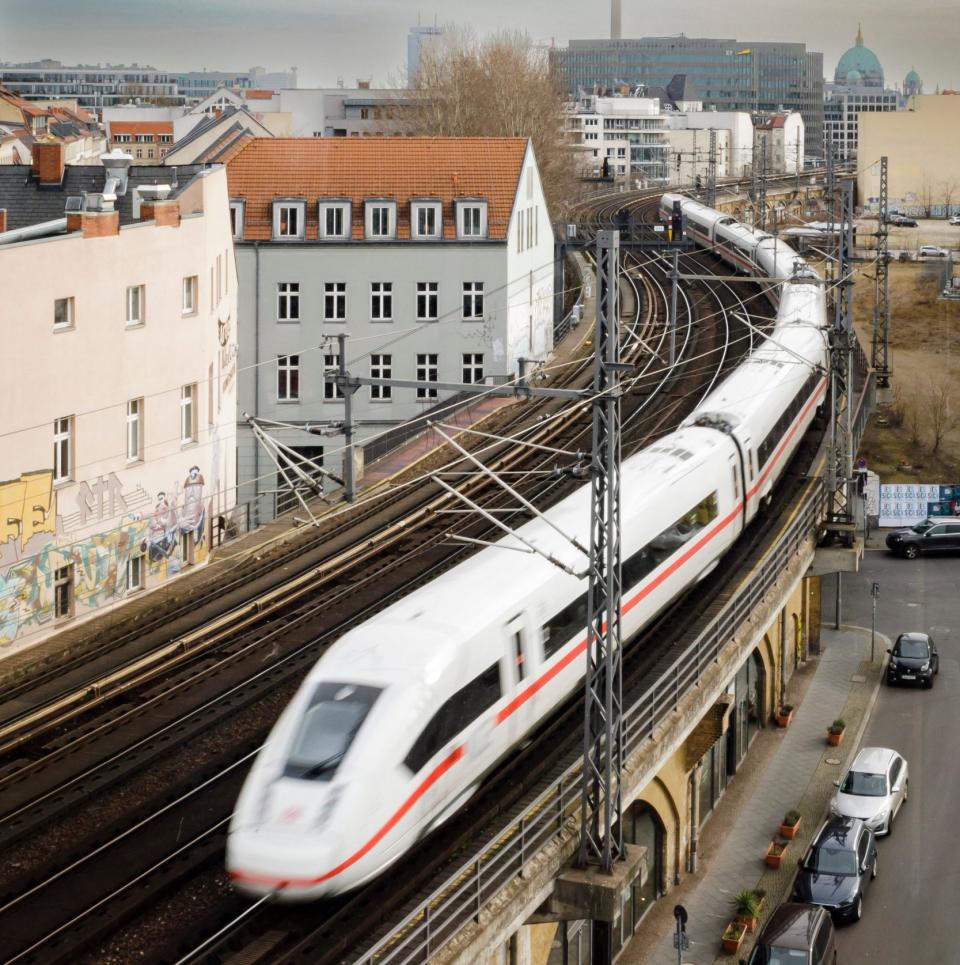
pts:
pixel 139 828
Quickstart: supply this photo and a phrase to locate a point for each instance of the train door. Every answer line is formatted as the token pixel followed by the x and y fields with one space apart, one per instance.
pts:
pixel 520 664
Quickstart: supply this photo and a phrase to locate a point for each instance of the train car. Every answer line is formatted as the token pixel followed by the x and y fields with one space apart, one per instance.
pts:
pixel 397 724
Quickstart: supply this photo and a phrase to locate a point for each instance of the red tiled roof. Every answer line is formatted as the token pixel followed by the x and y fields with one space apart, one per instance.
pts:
pixel 258 95
pixel 141 127
pixel 400 168
pixel 770 123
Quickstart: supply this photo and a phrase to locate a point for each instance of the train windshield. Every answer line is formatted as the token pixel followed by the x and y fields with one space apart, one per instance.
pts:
pixel 329 725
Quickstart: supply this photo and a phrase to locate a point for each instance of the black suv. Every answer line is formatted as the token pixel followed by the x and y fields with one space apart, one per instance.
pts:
pixel 913 658
pixel 837 868
pixel 930 536
pixel 901 220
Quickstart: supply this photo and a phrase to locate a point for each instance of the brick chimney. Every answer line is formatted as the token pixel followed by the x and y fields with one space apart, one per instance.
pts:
pixel 3 219
pixel 99 224
pixel 74 221
pixel 165 213
pixel 49 160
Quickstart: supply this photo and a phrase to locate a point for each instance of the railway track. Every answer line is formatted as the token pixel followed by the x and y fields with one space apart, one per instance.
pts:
pixel 226 701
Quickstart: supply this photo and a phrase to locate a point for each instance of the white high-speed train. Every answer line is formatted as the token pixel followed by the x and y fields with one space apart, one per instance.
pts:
pixel 397 724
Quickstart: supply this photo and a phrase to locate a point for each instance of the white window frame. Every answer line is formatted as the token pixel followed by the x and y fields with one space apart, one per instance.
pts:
pixel 188 414
pixel 372 220
pixel 381 367
pixel 188 296
pixel 237 212
pixel 63 577
pixel 472 297
pixel 335 296
pixel 469 229
pixel 331 391
pixel 289 204
pixel 288 301
pixel 63 450
pixel 381 301
pixel 288 378
pixel 344 208
pixel 71 315
pixel 434 207
pixel 428 301
pixel 135 572
pixel 427 371
pixel 134 424
pixel 132 320
pixel 472 368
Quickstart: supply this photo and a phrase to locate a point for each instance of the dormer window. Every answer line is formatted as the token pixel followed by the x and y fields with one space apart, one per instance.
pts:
pixel 471 219
pixel 236 219
pixel 335 219
pixel 381 220
pixel 426 219
pixel 289 220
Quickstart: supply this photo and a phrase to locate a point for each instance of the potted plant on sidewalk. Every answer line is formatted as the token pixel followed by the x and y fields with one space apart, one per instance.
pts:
pixel 836 731
pixel 746 905
pixel 790 824
pixel 733 936
pixel 776 853
pixel 785 715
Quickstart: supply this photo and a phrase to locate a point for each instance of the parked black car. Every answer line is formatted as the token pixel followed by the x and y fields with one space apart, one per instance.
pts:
pixel 930 536
pixel 913 658
pixel 837 868
pixel 795 933
pixel 901 220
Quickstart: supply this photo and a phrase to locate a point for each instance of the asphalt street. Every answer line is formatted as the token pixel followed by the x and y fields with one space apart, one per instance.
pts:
pixel 912 911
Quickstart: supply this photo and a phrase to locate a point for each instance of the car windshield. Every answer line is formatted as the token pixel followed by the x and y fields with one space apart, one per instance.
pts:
pixel 771 955
pixel 922 527
pixel 912 649
pixel 327 729
pixel 828 860
pixel 864 785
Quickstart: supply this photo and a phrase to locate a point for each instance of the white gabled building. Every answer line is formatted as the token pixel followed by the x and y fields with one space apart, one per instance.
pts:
pixel 435 256
pixel 118 406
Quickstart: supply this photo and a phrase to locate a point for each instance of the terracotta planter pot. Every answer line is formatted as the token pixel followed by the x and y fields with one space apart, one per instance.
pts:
pixel 775 860
pixel 790 830
pixel 785 720
pixel 749 923
pixel 835 740
pixel 732 945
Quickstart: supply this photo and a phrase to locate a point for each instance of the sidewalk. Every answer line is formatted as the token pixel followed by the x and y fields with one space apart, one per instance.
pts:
pixel 793 768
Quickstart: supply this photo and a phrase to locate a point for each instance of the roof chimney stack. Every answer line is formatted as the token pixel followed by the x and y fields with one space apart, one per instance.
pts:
pixel 49 160
pixel 615 31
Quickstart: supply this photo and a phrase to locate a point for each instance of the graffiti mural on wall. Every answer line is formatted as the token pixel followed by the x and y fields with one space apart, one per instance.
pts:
pixel 36 540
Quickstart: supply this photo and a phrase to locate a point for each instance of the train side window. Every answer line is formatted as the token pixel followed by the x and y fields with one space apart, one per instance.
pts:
pixel 558 630
pixel 736 482
pixel 518 654
pixel 454 715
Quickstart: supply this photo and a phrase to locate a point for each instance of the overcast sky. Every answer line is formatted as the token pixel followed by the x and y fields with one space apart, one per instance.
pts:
pixel 327 39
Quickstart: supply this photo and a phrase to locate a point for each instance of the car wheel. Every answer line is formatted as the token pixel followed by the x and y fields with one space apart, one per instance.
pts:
pixel 911 552
pixel 858 908
pixel 906 791
pixel 928 683
pixel 873 868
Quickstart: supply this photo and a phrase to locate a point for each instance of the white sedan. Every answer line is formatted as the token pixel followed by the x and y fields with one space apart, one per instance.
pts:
pixel 874 789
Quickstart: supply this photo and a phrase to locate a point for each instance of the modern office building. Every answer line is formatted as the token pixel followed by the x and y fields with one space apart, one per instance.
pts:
pixel 730 75
pixel 418 40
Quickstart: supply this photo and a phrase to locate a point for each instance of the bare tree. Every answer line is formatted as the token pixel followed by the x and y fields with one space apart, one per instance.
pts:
pixel 938 409
pixel 912 419
pixel 950 186
pixel 500 86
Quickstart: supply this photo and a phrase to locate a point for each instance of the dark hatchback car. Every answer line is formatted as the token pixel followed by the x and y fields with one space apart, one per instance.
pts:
pixel 913 659
pixel 796 935
pixel 838 868
pixel 929 536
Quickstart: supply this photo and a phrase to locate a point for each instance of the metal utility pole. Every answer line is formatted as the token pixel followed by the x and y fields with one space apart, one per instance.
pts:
pixel 879 355
pixel 347 386
pixel 674 277
pixel 762 193
pixel 831 200
pixel 601 832
pixel 712 170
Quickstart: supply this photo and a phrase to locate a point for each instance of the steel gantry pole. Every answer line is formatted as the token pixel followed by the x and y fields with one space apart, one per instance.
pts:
pixel 879 355
pixel 712 170
pixel 601 841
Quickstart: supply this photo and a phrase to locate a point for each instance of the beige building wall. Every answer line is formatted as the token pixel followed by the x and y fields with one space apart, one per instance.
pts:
pixel 922 145
pixel 111 510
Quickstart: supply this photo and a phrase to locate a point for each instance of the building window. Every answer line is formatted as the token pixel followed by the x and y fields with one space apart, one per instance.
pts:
pixel 426 220
pixel 473 300
pixel 335 220
pixel 471 219
pixel 288 219
pixel 381 301
pixel 288 378
pixel 236 219
pixel 62 449
pixel 63 313
pixel 427 294
pixel 331 366
pixel 189 298
pixel 139 153
pixel 288 301
pixel 135 312
pixel 381 367
pixel 188 413
pixel 380 219
pixel 335 301
pixel 472 368
pixel 427 372
pixel 186 548
pixel 134 430
pixel 63 592
pixel 135 573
